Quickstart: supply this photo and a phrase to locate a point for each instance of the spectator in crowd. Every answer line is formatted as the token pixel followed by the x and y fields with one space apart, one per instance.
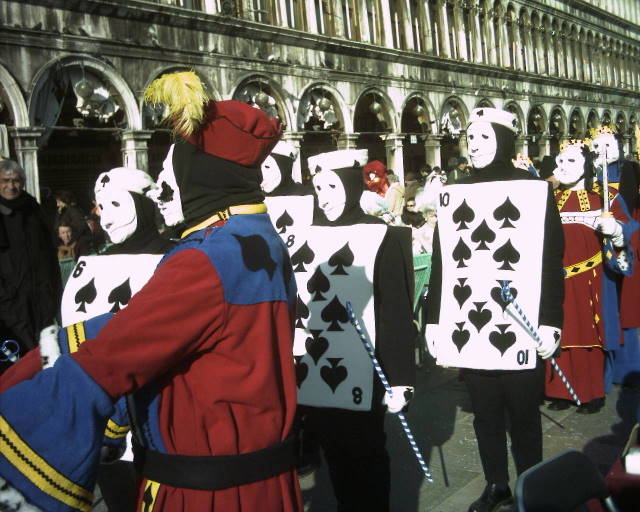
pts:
pixel 69 246
pixel 69 214
pixel 410 216
pixel 394 196
pixel 423 172
pixel 411 185
pixel 459 171
pixel 99 241
pixel 30 285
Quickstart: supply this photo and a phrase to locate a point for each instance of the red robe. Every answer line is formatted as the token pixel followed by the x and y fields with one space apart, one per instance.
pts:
pixel 582 356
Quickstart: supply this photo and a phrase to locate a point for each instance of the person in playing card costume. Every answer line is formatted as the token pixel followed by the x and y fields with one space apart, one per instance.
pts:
pixel 290 204
pixel 204 346
pixel 497 228
pixel 348 255
pixel 594 242
pixel 624 176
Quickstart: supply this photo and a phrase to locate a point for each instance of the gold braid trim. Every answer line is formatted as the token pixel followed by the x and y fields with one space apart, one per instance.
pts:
pixel 583 266
pixel 563 199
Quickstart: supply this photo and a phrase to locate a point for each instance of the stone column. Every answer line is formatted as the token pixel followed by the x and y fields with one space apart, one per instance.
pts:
pixel 407 22
pixel 312 21
pixel 628 145
pixel 427 24
pixel 385 13
pixel 522 145
pixel 25 142
pixel 444 29
pixel 347 140
pixel 462 143
pixel 134 149
pixel 476 34
pixel 518 57
pixel 395 154
pixel 492 39
pixel 432 150
pixel 570 58
pixel 461 32
pixel 546 141
pixel 295 138
pixel 505 41
pixel 528 42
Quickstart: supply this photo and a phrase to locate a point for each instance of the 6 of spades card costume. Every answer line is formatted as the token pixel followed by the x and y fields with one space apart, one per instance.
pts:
pixel 347 255
pixel 591 265
pixel 204 346
pixel 499 225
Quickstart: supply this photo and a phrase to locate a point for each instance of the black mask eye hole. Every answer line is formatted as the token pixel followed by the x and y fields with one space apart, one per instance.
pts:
pixel 572 160
pixel 166 195
pixel 471 137
pixel 485 137
pixel 115 203
pixel 332 186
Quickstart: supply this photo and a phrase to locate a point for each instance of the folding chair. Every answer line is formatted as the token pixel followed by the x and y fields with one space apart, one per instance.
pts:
pixel 562 484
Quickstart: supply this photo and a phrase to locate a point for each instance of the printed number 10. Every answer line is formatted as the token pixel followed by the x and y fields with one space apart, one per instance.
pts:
pixel 522 357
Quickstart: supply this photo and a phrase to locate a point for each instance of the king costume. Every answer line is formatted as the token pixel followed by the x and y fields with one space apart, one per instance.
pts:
pixel 204 347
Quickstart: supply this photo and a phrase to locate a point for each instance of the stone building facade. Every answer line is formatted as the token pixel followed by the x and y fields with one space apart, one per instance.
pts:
pixel 398 77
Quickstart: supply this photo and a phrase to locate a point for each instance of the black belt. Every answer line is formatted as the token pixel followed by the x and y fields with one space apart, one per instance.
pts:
pixel 215 472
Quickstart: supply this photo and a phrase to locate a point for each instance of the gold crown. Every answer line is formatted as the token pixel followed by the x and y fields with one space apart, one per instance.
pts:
pixel 575 143
pixel 602 130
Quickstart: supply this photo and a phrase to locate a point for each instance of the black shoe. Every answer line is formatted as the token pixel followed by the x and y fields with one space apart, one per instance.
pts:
pixel 591 407
pixel 491 498
pixel 558 404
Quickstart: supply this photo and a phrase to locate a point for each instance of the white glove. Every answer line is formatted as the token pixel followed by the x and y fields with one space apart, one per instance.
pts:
pixel 430 339
pixel 49 348
pixel 609 226
pixel 550 337
pixel 400 399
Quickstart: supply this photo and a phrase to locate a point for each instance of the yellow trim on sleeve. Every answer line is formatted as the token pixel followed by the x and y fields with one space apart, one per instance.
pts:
pixel 39 472
pixel 115 431
pixel 76 335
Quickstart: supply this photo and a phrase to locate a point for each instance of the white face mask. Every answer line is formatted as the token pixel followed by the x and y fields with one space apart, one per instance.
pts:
pixel 482 144
pixel 570 168
pixel 167 194
pixel 331 194
pixel 271 176
pixel 118 215
pixel 608 144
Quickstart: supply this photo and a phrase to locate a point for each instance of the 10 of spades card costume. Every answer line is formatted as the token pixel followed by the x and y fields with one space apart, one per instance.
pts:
pixel 498 227
pixel 205 346
pixel 347 255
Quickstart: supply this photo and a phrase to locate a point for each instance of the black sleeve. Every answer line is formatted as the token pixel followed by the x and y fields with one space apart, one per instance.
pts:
pixel 393 295
pixel 552 288
pixel 432 305
pixel 629 183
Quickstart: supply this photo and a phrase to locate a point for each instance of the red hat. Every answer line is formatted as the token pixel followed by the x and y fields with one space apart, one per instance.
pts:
pixel 379 183
pixel 235 131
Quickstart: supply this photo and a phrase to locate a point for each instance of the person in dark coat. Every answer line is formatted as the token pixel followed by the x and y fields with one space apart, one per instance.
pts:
pixel 30 286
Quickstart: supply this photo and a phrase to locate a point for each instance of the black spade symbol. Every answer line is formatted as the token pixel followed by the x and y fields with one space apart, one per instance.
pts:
pixel 502 340
pixel 304 255
pixel 335 312
pixel 86 295
pixel 340 259
pixel 255 253
pixel 317 285
pixel 333 375
pixel 483 234
pixel 479 317
pixel 120 295
pixel 461 253
pixel 302 311
pixel 316 345
pixel 283 222
pixel 506 212
pixel 507 254
pixel 462 291
pixel 460 337
pixel 462 215
pixel 496 295
pixel 302 370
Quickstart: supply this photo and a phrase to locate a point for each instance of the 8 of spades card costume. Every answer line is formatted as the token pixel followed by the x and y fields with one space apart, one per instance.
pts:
pixel 497 226
pixel 347 255
pixel 204 346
